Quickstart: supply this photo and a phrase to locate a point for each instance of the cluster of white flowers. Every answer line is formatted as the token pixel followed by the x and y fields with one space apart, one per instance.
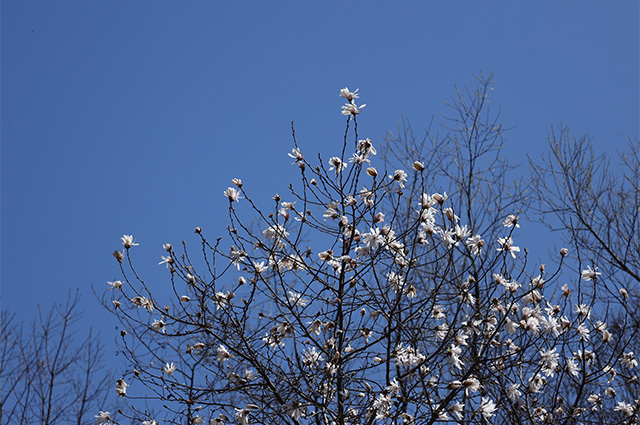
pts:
pixel 367 258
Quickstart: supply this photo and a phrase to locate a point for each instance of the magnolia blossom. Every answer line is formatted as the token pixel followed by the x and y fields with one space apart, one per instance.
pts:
pixel 475 244
pixel 336 164
pixel 150 422
pixel 408 357
pixel 260 267
pixel 242 416
pixel 222 354
pixel 159 326
pixel 311 358
pixel 513 392
pixel 233 194
pixel 352 109
pixel 572 367
pixel 121 387
pixel 116 284
pixel 382 406
pixel 295 410
pixel 169 368
pixel 103 417
pixel 454 353
pixel 510 221
pixel 549 361
pixel 296 299
pixel 625 408
pixel 275 232
pixel 373 239
pixel 629 360
pixel 141 301
pixel 506 245
pixel 128 241
pixel 590 274
pixel 297 155
pixel 487 407
pixel 348 94
pixel 399 176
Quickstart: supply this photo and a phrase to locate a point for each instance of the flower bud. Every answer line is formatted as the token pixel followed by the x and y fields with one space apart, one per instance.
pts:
pixel 119 256
pixel 418 166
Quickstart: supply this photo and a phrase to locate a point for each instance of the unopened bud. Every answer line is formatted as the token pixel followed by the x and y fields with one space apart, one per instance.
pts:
pixel 418 166
pixel 372 172
pixel 119 256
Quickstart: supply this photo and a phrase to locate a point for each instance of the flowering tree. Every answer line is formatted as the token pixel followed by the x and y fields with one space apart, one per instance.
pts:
pixel 597 208
pixel 47 375
pixel 370 297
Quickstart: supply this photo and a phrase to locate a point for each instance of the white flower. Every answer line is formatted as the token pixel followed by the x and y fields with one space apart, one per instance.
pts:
pixel 296 299
pixel 103 417
pixel 396 281
pixel 296 154
pixel 242 416
pixel 366 148
pixel 336 164
pixel 572 367
pixel 510 221
pixel 349 95
pixel 506 245
pixel 150 422
pixel 352 109
pixel 625 408
pixel 549 361
pixel 373 239
pixel 116 284
pixel 316 327
pixel 454 353
pixel 629 360
pixel 275 233
pixel 222 354
pixel 513 392
pixel 237 257
pixel 233 194
pixel 311 358
pixel 475 244
pixel 399 176
pixel 382 406
pixel 471 384
pixel 260 267
pixel 169 368
pixel 457 410
pixel 159 326
pixel 596 399
pixel 487 407
pixel 121 387
pixel 128 241
pixel 590 274
pixel 393 388
pixel 166 260
pixel 295 410
pixel 408 357
pixel 141 301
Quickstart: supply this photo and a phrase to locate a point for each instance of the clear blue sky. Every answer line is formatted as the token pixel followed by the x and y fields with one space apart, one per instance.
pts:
pixel 132 116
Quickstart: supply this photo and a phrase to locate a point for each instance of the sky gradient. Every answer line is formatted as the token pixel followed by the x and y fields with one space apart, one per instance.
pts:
pixel 123 117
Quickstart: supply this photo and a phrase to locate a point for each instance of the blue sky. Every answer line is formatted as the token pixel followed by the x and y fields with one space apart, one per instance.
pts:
pixel 131 117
